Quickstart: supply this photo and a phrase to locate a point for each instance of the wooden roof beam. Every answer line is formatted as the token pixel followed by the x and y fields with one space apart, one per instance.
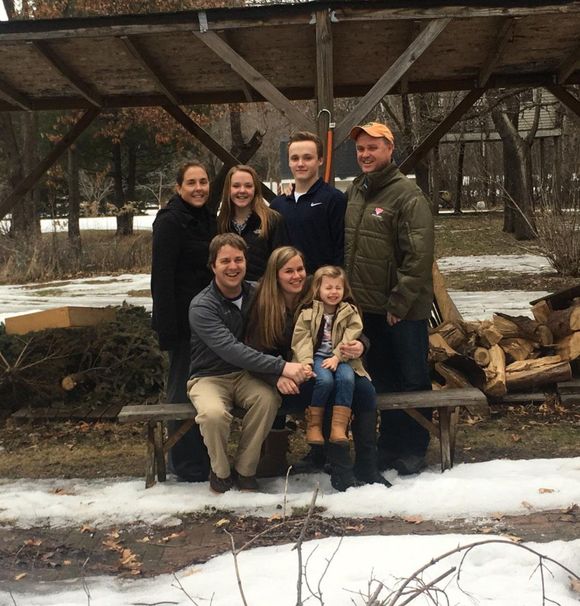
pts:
pixel 325 87
pixel 55 153
pixel 504 35
pixel 254 78
pixel 14 97
pixel 409 163
pixel 567 67
pixel 82 87
pixel 136 50
pixel 386 82
pixel 569 100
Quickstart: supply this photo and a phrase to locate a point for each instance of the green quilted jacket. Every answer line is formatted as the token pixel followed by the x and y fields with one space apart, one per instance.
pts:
pixel 389 245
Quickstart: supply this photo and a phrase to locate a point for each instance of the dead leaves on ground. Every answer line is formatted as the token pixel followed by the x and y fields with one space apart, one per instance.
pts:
pixel 129 562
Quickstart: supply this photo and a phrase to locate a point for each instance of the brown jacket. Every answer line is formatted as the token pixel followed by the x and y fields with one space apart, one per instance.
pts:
pixel 347 326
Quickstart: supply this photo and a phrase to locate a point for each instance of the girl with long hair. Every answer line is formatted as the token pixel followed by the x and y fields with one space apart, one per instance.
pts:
pixel 244 211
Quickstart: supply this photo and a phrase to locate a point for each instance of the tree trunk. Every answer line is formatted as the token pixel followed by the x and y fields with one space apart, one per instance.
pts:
pixel 124 214
pixel 459 181
pixel 74 200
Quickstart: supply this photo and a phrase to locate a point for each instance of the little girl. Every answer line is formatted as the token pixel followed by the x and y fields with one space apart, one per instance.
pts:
pixel 328 318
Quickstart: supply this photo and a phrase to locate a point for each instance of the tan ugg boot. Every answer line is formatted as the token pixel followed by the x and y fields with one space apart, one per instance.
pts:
pixel 339 426
pixel 314 418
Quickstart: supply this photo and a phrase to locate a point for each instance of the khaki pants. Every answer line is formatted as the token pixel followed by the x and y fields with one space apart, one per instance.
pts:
pixel 214 398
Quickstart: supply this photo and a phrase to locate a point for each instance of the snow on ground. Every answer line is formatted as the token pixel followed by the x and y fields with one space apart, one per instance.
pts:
pixel 475 490
pixel 113 290
pixel 499 574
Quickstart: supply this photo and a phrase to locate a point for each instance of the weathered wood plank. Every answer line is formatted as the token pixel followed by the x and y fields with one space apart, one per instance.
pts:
pixel 14 97
pixel 57 63
pixel 105 412
pixel 430 399
pixel 567 67
pixel 505 32
pixel 156 412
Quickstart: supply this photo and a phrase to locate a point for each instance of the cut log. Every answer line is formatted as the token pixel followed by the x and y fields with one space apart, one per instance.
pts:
pixel 454 378
pixel 564 322
pixel 449 311
pixel 495 372
pixel 517 348
pixel 569 347
pixel 481 356
pixel 541 312
pixel 452 332
pixel 489 335
pixel 520 326
pixel 542 375
pixel 439 349
pixel 543 362
pixel 471 327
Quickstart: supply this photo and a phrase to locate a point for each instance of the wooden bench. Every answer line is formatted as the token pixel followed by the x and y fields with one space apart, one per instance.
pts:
pixel 447 402
pixel 156 415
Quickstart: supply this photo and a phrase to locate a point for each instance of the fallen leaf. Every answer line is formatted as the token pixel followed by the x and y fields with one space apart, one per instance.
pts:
pixel 527 505
pixel 20 576
pixel 275 518
pixel 516 437
pixel 33 542
pixel 173 535
pixel 497 516
pixel 513 538
pixel 486 530
pixel 86 528
pixel 66 562
pixel 574 584
pixel 546 490
pixel 413 519
pixel 222 522
pixel 144 540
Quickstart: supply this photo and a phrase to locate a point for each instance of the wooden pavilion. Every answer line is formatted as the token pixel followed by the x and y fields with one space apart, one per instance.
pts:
pixel 282 52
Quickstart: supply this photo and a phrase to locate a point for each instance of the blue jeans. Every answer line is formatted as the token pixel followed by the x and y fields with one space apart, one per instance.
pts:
pixel 397 361
pixel 340 381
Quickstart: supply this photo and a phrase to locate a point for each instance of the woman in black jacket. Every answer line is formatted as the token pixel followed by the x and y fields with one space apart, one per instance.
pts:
pixel 243 211
pixel 182 232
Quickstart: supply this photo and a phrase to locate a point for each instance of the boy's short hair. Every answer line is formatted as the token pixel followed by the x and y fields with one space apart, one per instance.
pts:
pixel 227 239
pixel 305 135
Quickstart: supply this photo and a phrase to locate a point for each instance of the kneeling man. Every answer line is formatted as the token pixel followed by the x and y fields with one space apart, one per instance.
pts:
pixel 221 364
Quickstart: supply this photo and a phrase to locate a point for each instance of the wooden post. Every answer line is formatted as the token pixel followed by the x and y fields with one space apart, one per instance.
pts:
pixel 59 148
pixel 150 463
pixel 159 454
pixel 324 84
pixel 445 438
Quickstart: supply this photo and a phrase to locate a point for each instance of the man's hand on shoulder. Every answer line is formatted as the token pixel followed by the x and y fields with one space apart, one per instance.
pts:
pixel 297 372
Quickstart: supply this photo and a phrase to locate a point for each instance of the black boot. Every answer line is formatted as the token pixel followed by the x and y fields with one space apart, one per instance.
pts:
pixel 341 474
pixel 364 433
pixel 312 462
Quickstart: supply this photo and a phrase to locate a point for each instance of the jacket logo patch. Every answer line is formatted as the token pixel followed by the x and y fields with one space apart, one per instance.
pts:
pixel 377 212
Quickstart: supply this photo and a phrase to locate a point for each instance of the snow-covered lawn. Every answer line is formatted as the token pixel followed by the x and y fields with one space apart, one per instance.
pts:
pixel 498 574
pixel 113 290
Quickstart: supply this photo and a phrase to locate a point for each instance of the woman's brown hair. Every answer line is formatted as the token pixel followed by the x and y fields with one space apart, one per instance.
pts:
pixel 180 175
pixel 267 318
pixel 258 205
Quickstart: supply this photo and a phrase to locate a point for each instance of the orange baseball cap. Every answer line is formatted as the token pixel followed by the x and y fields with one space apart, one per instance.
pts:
pixel 374 129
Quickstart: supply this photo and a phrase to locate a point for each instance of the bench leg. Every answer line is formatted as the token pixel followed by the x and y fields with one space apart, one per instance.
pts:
pixel 150 463
pixel 445 438
pixel 159 451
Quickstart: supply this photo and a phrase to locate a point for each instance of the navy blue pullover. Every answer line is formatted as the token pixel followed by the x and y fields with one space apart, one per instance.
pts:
pixel 315 224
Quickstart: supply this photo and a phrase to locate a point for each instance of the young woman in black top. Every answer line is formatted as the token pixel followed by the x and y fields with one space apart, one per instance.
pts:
pixel 244 211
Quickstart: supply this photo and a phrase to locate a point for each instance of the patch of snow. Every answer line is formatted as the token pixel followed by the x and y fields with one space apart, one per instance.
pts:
pixel 528 264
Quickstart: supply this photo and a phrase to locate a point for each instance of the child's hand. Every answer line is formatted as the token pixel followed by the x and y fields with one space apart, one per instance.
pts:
pixel 331 363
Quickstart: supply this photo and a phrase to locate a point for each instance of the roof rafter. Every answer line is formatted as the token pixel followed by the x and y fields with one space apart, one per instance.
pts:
pixel 567 67
pixel 386 82
pixel 504 34
pixel 254 78
pixel 68 73
pixel 138 52
pixel 14 97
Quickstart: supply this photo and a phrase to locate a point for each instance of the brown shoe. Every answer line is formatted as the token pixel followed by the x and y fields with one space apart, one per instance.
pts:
pixel 246 483
pixel 220 485
pixel 339 426
pixel 314 419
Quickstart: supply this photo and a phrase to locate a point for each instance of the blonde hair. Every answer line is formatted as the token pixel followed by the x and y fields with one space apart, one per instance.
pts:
pixel 267 317
pixel 257 205
pixel 328 271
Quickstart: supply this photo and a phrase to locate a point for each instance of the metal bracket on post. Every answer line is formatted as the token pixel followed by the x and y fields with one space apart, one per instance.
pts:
pixel 202 18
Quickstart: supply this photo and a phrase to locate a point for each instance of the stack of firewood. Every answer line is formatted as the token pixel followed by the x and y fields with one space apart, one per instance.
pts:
pixel 515 353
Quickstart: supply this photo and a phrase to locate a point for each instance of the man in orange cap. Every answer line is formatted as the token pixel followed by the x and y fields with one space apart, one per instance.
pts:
pixel 389 238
